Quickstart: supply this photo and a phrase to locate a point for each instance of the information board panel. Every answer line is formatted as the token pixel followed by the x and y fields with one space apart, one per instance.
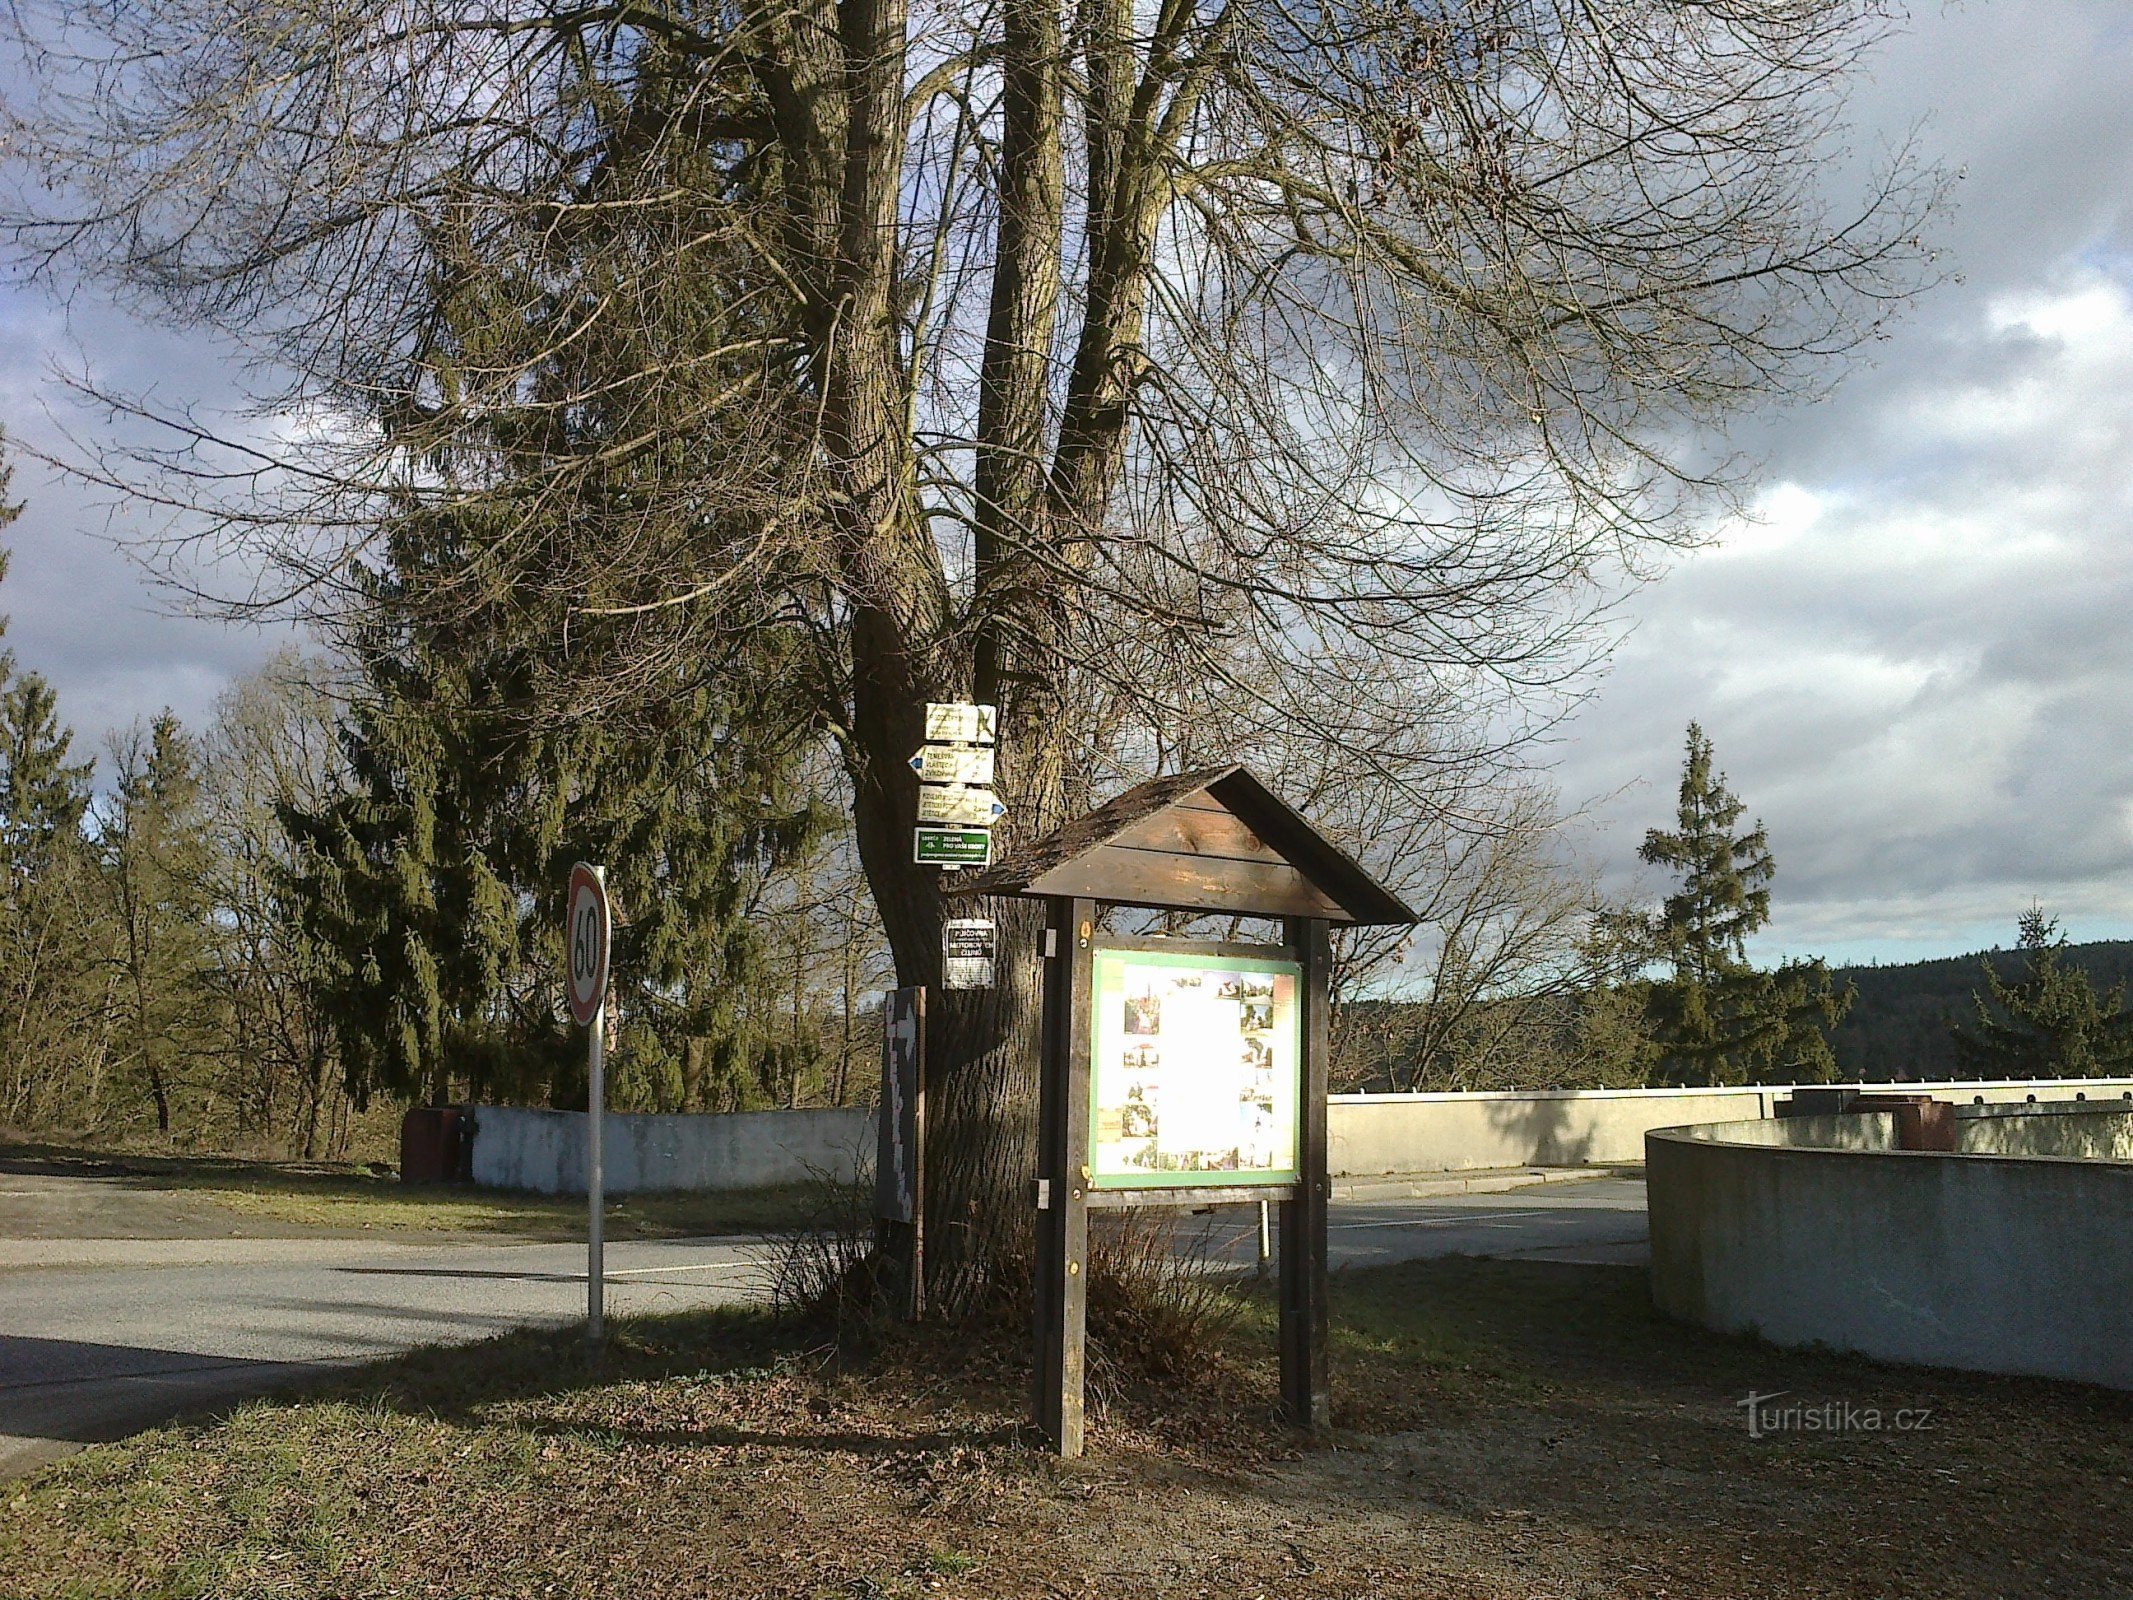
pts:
pixel 1195 1070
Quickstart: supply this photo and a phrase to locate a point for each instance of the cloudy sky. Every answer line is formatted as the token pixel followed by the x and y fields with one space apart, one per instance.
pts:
pixel 1916 664
pixel 1915 661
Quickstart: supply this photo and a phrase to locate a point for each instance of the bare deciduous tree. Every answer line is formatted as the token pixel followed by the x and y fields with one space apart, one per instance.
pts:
pixel 1103 361
pixel 270 749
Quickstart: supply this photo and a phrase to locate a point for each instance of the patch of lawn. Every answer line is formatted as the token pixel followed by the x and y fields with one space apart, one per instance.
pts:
pixel 1505 1429
pixel 344 1197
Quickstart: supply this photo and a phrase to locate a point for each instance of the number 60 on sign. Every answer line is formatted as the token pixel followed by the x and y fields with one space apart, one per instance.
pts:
pixel 585 938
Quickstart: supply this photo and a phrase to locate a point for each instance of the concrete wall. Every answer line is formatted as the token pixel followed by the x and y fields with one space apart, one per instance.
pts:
pixel 516 1148
pixel 1367 1135
pixel 1383 1133
pixel 1995 1263
pixel 2075 1132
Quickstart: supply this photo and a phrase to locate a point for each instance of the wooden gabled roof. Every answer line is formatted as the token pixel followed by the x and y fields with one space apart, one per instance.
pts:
pixel 1213 840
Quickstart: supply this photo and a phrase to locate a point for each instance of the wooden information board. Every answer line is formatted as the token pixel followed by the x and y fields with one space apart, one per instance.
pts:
pixel 1179 1072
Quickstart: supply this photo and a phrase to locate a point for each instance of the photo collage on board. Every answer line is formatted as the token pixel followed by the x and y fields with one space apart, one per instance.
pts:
pixel 1140 1112
pixel 1256 1133
pixel 1190 1062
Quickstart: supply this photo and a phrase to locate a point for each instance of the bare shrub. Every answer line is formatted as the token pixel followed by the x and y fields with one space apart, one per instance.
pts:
pixel 825 1269
pixel 1160 1306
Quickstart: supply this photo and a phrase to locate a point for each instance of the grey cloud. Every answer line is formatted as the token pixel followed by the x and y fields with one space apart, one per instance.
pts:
pixel 1932 731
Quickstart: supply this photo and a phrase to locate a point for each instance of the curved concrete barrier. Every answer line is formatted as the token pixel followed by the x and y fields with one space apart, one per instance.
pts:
pixel 1817 1230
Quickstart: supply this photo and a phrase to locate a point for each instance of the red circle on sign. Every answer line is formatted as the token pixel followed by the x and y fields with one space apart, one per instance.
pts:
pixel 585 933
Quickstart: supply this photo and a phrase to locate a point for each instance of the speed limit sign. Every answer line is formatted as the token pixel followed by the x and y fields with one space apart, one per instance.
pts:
pixel 585 929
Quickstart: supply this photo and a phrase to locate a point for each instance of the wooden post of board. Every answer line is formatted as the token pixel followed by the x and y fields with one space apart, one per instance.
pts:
pixel 1063 1175
pixel 1305 1389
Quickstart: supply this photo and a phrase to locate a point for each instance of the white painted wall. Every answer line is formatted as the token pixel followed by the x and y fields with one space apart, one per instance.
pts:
pixel 518 1148
pixel 1384 1133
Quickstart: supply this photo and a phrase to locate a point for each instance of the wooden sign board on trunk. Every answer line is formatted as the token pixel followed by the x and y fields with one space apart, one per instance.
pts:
pixel 900 1154
pixel 957 805
pixel 896 1158
pixel 958 722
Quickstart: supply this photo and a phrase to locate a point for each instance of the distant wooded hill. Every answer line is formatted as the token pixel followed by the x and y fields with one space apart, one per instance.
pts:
pixel 1898 1028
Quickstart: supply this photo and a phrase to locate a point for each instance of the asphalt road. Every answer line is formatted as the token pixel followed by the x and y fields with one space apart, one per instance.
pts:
pixel 100 1337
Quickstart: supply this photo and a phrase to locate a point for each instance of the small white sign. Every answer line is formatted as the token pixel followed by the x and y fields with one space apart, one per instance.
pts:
pixel 955 763
pixel 958 805
pixel 967 946
pixel 957 722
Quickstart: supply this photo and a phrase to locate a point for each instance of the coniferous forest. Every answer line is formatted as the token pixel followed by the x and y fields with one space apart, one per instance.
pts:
pixel 269 932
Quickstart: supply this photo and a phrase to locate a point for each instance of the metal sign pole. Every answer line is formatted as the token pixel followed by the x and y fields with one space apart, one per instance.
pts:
pixel 595 1184
pixel 587 925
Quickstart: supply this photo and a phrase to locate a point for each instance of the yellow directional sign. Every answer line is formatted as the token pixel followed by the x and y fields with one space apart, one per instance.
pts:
pixel 957 804
pixel 955 763
pixel 958 722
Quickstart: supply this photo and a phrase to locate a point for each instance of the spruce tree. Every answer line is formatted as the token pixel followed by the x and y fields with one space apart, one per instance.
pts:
pixel 52 940
pixel 2048 1023
pixel 43 795
pixel 1716 1018
pixel 436 880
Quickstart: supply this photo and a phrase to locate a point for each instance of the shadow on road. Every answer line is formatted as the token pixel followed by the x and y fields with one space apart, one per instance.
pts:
pixel 55 1393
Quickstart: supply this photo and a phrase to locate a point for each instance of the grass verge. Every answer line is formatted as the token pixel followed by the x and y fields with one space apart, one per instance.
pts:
pixel 1505 1429
pixel 343 1197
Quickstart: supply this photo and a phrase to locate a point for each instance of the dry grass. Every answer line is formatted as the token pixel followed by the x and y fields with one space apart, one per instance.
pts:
pixel 1505 1430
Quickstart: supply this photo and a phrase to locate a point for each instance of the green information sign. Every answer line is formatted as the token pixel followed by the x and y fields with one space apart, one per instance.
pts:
pixel 952 847
pixel 1195 1070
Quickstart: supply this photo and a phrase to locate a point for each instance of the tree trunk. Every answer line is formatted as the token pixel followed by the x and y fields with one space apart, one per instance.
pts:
pixel 161 1095
pixel 980 1071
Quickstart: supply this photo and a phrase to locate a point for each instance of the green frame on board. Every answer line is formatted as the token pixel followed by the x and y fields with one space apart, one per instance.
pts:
pixel 1118 957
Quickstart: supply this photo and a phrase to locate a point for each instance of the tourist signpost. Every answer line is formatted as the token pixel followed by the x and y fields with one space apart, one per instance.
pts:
pixel 1184 1072
pixel 956 805
pixel 953 820
pixel 586 929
